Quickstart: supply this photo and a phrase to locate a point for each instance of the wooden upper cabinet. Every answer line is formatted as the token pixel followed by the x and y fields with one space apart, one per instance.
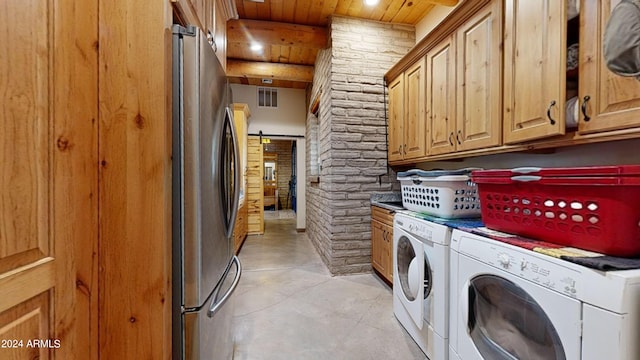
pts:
pixel 407 127
pixel 396 119
pixel 534 68
pixel 210 16
pixel 441 97
pixel 415 127
pixel 479 81
pixel 612 101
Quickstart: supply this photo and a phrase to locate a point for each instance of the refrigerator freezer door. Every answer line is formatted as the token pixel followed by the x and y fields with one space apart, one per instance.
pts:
pixel 207 332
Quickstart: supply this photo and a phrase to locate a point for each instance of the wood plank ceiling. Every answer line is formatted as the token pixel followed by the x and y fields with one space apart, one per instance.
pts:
pixel 293 31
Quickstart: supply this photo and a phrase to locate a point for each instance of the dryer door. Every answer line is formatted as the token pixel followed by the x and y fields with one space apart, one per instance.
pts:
pixel 408 260
pixel 504 317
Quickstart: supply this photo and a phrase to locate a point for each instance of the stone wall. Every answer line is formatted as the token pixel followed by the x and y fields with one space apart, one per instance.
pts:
pixel 350 137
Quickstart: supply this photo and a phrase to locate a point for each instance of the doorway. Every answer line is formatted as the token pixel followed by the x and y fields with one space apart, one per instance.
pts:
pixel 270 181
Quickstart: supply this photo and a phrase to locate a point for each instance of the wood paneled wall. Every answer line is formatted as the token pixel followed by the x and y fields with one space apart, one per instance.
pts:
pixel 255 185
pixel 135 179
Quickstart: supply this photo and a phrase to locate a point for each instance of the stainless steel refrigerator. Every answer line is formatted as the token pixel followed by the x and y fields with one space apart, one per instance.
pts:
pixel 205 201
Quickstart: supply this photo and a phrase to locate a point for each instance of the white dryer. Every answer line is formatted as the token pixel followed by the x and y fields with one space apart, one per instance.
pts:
pixel 421 282
pixel 512 303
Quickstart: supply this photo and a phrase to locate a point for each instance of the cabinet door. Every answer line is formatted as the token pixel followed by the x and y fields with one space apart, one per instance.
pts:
pixel 388 252
pixel 415 126
pixel 48 181
pixel 396 119
pixel 612 101
pixel 378 247
pixel 534 69
pixel 479 114
pixel 441 98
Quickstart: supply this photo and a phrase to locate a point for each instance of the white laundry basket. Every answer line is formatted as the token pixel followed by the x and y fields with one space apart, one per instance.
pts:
pixel 447 194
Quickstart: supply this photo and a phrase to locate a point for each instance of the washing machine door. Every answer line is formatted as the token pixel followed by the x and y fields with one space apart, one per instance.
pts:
pixel 408 260
pixel 436 290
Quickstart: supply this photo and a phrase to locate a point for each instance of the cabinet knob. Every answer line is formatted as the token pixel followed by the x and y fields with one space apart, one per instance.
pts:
pixel 584 107
pixel 552 104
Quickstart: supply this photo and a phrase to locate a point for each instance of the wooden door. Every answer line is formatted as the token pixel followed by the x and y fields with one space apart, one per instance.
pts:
pixel 48 179
pixel 396 119
pixel 479 56
pixel 415 126
pixel 612 101
pixel 441 98
pixel 255 186
pixel 534 69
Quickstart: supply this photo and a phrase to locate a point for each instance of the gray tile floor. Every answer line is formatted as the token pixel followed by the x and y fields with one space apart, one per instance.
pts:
pixel 288 306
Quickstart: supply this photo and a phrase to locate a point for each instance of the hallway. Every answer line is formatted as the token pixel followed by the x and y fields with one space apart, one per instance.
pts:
pixel 288 306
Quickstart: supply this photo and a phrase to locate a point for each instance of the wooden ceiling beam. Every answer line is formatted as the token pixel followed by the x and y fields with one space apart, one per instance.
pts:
pixel 265 70
pixel 276 33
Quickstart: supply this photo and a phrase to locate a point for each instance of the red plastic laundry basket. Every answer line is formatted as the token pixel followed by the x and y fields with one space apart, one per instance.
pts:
pixel 591 208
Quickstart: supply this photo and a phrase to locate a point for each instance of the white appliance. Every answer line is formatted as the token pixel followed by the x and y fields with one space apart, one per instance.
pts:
pixel 512 303
pixel 420 278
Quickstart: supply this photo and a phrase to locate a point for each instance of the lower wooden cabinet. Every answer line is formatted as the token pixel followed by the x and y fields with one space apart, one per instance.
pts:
pixel 240 229
pixel 382 242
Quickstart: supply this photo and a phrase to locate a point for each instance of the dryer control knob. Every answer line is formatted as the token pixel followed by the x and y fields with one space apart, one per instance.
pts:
pixel 523 264
pixel 504 260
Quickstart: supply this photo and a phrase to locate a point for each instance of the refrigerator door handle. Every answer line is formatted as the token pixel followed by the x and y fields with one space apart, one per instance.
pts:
pixel 236 173
pixel 215 306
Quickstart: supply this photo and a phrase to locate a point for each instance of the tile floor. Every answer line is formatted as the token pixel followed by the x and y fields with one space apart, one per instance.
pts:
pixel 288 306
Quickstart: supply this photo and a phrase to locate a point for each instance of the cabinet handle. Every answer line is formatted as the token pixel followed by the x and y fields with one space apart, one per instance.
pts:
pixel 458 135
pixel 212 41
pixel 584 107
pixel 552 104
pixel 404 149
pixel 451 139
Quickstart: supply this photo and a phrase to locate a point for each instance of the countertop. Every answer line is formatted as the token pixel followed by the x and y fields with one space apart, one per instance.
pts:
pixel 390 201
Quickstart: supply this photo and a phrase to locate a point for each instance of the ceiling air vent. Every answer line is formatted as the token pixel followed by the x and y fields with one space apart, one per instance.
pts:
pixel 267 97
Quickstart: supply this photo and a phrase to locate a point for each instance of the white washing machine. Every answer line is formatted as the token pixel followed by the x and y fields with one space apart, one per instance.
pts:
pixel 512 303
pixel 421 282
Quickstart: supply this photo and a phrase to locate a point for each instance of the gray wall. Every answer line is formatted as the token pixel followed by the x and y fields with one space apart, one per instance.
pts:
pixel 348 138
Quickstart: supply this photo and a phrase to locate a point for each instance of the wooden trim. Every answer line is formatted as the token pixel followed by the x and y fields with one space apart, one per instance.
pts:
pixel 185 13
pixel 23 283
pixel 447 27
pixel 228 8
pixel 444 2
pixel 569 139
pixel 315 105
pixel 242 107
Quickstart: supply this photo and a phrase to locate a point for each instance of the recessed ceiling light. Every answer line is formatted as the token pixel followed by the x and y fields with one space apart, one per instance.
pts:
pixel 371 2
pixel 256 47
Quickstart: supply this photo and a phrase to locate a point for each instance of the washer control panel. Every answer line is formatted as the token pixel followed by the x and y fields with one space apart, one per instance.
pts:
pixel 523 263
pixel 423 230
